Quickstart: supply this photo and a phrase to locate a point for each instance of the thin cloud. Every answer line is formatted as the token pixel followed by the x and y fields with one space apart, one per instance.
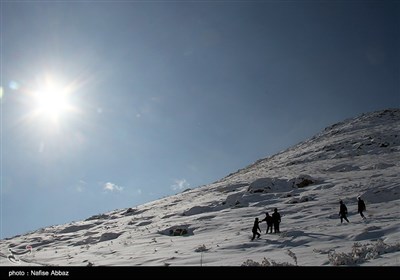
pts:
pixel 180 184
pixel 112 187
pixel 81 186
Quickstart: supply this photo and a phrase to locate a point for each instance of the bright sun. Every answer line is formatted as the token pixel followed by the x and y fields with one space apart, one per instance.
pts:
pixel 51 100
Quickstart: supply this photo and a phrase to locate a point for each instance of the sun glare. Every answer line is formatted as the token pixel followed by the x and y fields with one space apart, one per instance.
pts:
pixel 51 100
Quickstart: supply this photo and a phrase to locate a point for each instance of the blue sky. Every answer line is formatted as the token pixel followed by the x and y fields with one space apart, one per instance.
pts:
pixel 166 95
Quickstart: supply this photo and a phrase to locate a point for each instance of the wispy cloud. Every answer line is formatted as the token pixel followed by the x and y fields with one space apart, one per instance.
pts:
pixel 112 187
pixel 180 184
pixel 80 187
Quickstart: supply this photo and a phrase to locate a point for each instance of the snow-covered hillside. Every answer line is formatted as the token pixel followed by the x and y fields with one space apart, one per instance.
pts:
pixel 211 225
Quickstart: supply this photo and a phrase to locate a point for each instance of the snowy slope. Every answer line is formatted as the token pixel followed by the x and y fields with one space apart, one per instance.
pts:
pixel 211 225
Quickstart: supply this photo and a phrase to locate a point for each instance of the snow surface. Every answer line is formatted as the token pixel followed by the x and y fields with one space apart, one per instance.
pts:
pixel 211 225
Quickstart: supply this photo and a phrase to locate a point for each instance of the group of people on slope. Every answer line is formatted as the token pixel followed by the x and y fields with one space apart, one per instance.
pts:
pixel 273 220
pixel 343 210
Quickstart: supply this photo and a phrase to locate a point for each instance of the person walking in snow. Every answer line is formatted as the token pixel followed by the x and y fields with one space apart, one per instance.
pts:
pixel 343 212
pixel 256 228
pixel 361 207
pixel 268 220
pixel 276 219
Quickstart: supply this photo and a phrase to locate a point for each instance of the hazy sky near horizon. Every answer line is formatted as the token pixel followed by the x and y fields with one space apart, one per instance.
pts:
pixel 160 96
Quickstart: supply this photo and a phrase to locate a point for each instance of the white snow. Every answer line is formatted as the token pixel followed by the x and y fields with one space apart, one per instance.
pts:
pixel 211 225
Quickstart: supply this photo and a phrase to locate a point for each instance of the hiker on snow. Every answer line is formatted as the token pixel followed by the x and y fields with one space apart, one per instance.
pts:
pixel 343 212
pixel 268 220
pixel 276 219
pixel 256 228
pixel 361 207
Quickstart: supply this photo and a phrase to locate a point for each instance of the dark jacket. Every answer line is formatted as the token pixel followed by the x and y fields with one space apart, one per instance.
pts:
pixel 276 217
pixel 268 219
pixel 343 209
pixel 256 226
pixel 361 205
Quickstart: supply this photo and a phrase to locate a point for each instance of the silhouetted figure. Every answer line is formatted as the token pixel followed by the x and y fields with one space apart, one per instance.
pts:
pixel 256 228
pixel 268 220
pixel 276 219
pixel 343 212
pixel 361 207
